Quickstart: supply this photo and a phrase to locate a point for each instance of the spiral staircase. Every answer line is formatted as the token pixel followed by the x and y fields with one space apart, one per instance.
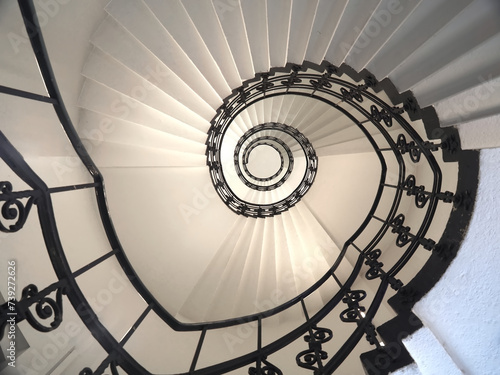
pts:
pixel 287 179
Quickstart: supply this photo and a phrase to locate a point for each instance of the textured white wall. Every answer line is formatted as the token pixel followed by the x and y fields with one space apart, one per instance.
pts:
pixel 408 370
pixel 462 309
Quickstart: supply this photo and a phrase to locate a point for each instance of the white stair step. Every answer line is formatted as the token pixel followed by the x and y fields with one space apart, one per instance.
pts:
pixel 384 22
pixel 99 98
pixel 246 295
pixel 480 134
pixel 98 128
pixel 260 111
pixel 115 40
pixel 354 18
pixel 353 133
pixel 279 13
pixel 239 125
pixel 425 21
pixel 302 20
pixel 313 265
pixel 201 296
pixel 204 17
pixel 328 248
pixel 429 354
pixel 299 255
pixel 476 66
pixel 327 124
pixel 360 176
pixel 309 111
pixel 269 294
pixel 312 113
pixel 248 118
pixel 255 16
pixel 102 68
pixel 277 103
pixel 326 21
pixel 292 106
pixel 478 102
pixel 224 301
pixel 269 109
pixel 477 23
pixel 284 269
pixel 231 18
pixel 176 21
pixel 358 145
pixel 252 113
pixel 183 201
pixel 133 15
pixel 109 154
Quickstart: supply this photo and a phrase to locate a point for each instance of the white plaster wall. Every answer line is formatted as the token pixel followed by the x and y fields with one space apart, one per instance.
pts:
pixel 408 370
pixel 462 309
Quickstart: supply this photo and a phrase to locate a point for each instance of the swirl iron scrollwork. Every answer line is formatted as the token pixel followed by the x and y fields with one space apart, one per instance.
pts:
pixel 265 85
pixel 353 313
pixel 375 271
pixel 354 93
pixel 312 358
pixel 292 79
pixel 404 235
pixel 13 208
pixel 45 307
pixel 382 115
pixel 267 369
pixel 421 195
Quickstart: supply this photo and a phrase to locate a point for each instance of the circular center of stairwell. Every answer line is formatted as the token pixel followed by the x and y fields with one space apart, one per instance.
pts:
pixel 264 161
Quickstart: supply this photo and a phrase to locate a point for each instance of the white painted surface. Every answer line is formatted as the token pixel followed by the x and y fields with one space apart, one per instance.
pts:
pixel 462 309
pixel 408 370
pixel 482 133
pixel 430 356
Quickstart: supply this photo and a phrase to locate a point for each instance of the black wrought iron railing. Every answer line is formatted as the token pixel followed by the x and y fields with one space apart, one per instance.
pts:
pixel 44 312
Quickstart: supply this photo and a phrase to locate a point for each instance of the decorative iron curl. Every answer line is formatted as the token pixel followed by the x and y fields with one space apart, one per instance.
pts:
pixel 268 369
pixel 353 93
pixel 409 147
pixel 292 79
pixel 265 85
pixel 382 115
pixel 421 196
pixel 319 335
pixel 404 236
pixel 375 270
pixel 45 308
pixel 310 359
pixel 353 313
pixel 13 208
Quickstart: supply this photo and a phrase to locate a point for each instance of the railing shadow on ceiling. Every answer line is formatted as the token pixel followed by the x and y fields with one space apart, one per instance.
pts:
pixel 37 306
